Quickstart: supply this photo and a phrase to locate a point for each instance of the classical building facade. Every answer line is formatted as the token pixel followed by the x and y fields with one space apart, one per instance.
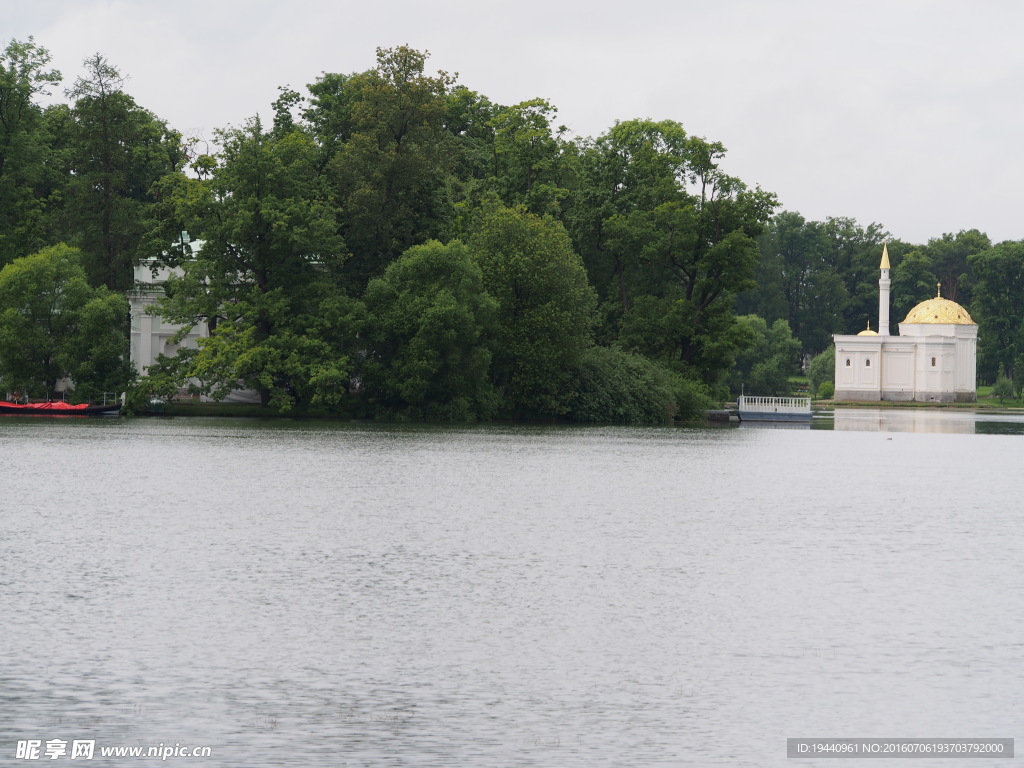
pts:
pixel 934 358
pixel 152 335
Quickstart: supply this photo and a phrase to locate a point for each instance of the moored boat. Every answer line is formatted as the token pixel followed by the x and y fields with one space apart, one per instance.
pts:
pixel 57 409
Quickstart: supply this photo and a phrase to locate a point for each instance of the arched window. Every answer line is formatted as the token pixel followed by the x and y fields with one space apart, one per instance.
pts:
pixel 933 362
pixel 867 363
pixel 847 362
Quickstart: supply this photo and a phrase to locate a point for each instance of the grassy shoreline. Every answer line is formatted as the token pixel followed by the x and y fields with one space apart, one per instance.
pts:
pixel 985 402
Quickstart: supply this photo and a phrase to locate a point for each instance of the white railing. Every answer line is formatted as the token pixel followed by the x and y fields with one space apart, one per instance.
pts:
pixel 775 404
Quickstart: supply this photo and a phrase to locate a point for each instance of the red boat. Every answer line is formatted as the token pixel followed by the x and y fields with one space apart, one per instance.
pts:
pixel 57 409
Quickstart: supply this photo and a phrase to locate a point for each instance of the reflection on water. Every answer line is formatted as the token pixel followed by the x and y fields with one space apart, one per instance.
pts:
pixel 790 425
pixel 924 420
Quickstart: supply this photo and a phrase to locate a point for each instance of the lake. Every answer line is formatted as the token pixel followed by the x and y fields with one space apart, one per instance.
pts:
pixel 294 593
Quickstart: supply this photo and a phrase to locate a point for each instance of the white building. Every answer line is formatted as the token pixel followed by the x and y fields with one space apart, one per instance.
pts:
pixel 934 359
pixel 153 336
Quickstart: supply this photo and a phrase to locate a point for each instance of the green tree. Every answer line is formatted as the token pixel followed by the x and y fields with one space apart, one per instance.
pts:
pixel 429 334
pixel 545 308
pixel 669 235
pixel 1003 388
pixel 854 253
pixel 634 167
pixel 386 152
pixel 765 366
pixel 469 119
pixel 950 262
pixel 54 325
pixel 997 308
pixel 826 273
pixel 798 282
pixel 24 145
pixel 266 277
pixel 526 152
pixel 692 278
pixel 913 281
pixel 822 368
pixel 114 152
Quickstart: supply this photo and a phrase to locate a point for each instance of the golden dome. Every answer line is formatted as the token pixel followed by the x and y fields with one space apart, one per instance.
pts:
pixel 868 331
pixel 939 310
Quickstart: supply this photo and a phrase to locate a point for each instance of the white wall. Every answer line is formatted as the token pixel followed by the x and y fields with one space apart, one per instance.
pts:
pixel 901 367
pixel 858 374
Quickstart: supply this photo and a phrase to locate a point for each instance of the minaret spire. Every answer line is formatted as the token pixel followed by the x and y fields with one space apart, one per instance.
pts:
pixel 883 292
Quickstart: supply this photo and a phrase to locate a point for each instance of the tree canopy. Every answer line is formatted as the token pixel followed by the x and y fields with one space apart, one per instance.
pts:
pixel 396 244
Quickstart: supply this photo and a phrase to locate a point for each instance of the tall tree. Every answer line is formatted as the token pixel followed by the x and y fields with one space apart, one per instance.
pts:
pixel 24 77
pixel 950 261
pixel 386 152
pixel 695 255
pixel 115 151
pixel 765 366
pixel 526 152
pixel 854 252
pixel 913 281
pixel 634 167
pixel 798 282
pixel 469 119
pixel 545 308
pixel 429 336
pixel 266 277
pixel 997 308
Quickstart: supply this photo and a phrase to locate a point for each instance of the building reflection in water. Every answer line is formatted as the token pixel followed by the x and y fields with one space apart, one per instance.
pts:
pixel 937 420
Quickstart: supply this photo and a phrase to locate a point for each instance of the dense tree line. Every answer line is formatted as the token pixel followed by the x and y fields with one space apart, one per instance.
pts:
pixel 397 245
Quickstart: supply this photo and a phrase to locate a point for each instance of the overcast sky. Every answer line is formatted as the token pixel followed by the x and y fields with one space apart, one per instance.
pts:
pixel 904 112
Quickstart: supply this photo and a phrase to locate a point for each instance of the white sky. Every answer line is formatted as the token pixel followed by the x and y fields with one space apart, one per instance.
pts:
pixel 902 112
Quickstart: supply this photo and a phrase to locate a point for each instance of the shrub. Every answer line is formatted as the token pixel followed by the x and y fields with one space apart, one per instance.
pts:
pixel 613 386
pixel 822 369
pixel 1003 388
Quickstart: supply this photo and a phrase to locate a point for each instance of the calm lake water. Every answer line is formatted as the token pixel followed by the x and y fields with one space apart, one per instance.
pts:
pixel 299 594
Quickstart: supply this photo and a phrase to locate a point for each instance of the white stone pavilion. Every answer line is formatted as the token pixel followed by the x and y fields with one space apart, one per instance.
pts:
pixel 934 358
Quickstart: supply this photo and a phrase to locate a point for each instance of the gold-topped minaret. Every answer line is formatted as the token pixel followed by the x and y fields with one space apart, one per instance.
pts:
pixel 883 292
